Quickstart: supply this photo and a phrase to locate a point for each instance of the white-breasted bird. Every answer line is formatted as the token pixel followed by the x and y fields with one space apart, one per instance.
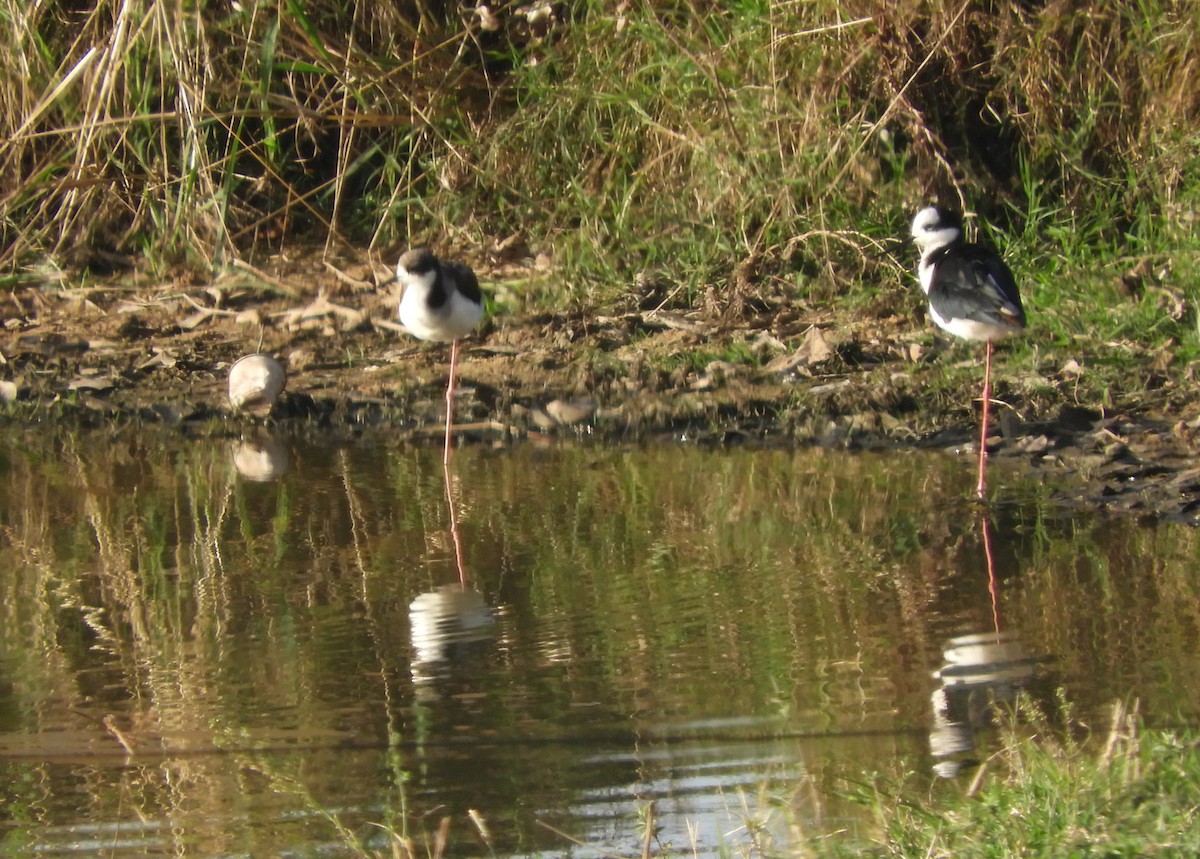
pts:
pixel 441 302
pixel 972 294
pixel 255 383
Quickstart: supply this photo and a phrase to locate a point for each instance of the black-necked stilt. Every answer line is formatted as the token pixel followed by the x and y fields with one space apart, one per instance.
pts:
pixel 972 295
pixel 443 624
pixel 255 383
pixel 441 302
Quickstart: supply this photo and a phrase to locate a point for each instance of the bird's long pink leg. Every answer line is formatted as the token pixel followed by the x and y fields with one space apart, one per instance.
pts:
pixel 450 398
pixel 981 488
pixel 454 534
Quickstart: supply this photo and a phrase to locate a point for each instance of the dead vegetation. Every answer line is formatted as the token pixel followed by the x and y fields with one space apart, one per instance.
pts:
pixel 718 143
pixel 689 214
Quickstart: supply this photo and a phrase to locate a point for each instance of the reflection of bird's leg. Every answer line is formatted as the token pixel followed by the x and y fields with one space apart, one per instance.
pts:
pixel 450 398
pixel 993 586
pixel 455 537
pixel 981 488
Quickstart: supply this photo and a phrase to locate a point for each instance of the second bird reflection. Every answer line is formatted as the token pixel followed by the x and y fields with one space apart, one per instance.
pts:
pixel 981 672
pixel 452 620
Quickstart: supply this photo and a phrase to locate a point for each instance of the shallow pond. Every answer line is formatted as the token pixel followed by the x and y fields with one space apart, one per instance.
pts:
pixel 281 647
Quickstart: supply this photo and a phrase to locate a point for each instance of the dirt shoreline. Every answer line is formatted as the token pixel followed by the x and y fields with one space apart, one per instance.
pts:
pixel 113 355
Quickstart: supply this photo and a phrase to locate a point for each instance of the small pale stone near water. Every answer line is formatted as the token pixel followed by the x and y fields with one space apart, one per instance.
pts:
pixel 255 383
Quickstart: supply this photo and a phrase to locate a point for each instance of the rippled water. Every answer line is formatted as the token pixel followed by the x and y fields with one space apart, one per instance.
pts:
pixel 283 647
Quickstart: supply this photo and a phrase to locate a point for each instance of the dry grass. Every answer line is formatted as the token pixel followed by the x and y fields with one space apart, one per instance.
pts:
pixel 136 127
pixel 716 143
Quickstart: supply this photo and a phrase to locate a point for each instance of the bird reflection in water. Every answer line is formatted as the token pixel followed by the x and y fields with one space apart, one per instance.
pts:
pixel 452 620
pixel 444 622
pixel 982 671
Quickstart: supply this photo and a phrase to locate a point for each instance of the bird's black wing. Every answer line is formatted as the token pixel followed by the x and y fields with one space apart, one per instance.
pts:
pixel 464 280
pixel 974 283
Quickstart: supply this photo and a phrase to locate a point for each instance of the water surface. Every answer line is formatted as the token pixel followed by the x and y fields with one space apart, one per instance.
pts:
pixel 295 648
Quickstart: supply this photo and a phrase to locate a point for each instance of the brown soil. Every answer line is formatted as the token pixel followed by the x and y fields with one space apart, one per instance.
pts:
pixel 115 354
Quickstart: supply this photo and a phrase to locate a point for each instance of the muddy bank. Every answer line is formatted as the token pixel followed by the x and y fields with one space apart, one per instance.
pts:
pixel 777 374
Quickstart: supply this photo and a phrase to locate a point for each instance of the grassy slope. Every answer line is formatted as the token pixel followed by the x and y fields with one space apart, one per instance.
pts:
pixel 699 155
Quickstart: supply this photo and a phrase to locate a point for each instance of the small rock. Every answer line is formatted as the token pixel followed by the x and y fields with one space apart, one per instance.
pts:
pixel 813 350
pixel 487 18
pixel 831 387
pixel 302 359
pixel 1033 444
pixel 255 383
pixel 569 412
pixel 541 420
pixel 195 320
pixel 97 384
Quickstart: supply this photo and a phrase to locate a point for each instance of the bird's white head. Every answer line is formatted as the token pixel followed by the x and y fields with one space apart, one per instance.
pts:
pixel 417 268
pixel 934 228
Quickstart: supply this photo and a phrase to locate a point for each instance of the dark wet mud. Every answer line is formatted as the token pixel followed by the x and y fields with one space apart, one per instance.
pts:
pixel 778 374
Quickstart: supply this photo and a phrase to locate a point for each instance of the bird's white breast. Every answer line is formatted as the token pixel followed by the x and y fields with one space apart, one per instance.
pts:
pixel 971 329
pixel 453 320
pixel 925 270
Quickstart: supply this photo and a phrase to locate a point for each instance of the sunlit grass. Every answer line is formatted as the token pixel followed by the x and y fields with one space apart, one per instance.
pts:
pixel 1131 792
pixel 746 156
pixel 687 137
pixel 196 138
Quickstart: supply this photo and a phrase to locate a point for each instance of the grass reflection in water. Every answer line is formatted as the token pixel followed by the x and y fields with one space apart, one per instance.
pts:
pixel 304 659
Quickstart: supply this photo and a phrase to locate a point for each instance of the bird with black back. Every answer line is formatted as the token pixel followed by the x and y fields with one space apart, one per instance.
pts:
pixel 441 302
pixel 972 294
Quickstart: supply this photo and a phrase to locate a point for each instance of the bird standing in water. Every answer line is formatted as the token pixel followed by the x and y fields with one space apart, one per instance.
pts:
pixel 441 302
pixel 972 295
